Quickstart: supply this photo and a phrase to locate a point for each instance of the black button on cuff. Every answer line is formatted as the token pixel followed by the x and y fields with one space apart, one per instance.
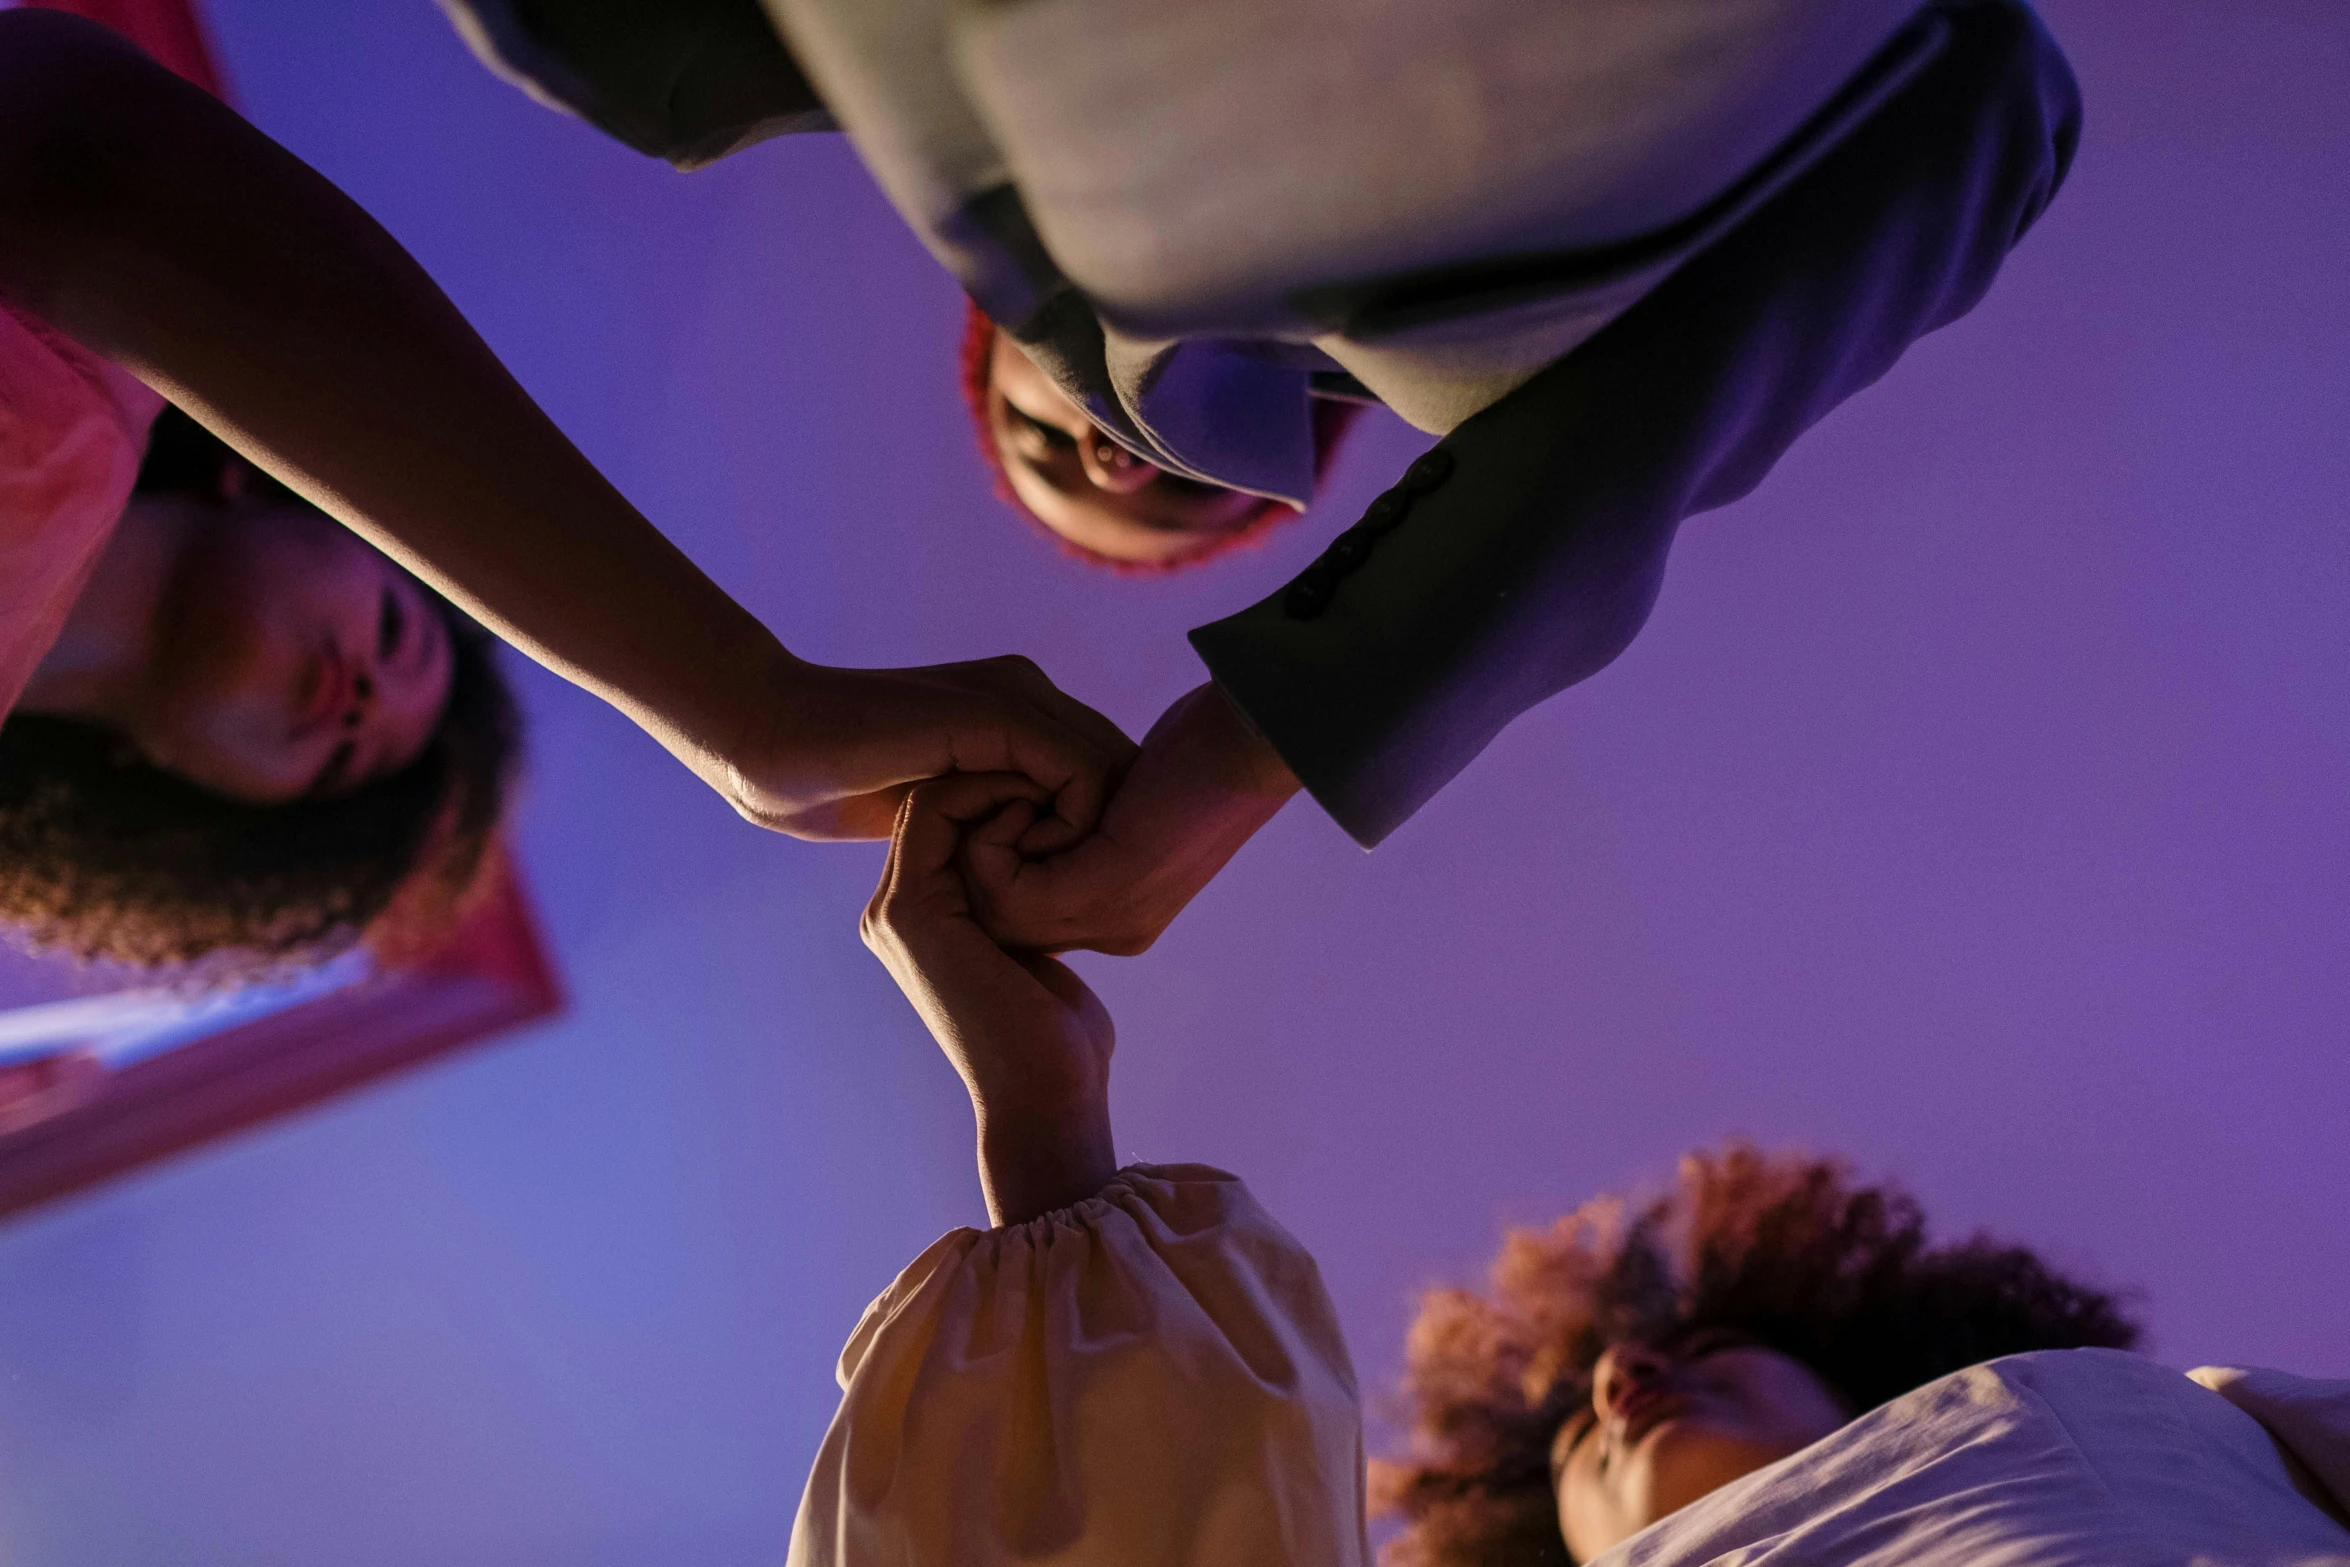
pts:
pixel 1317 585
pixel 1387 511
pixel 1429 470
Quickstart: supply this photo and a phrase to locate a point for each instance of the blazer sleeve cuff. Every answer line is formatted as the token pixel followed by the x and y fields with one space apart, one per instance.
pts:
pixel 1368 755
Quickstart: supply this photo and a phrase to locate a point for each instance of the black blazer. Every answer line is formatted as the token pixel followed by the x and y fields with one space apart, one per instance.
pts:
pixel 1523 552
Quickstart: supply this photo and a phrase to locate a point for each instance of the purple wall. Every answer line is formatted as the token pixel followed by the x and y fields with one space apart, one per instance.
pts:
pixel 1974 805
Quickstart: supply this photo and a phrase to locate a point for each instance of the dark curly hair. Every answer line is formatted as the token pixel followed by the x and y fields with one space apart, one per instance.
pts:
pixel 1785 1252
pixel 104 855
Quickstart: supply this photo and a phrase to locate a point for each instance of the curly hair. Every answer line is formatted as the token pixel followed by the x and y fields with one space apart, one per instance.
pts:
pixel 1785 1252
pixel 1332 419
pixel 104 855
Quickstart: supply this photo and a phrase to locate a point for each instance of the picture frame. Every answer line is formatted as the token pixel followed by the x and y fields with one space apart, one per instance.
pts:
pixel 98 1084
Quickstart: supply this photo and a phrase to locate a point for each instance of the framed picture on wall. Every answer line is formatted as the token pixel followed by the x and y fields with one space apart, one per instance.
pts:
pixel 101 1074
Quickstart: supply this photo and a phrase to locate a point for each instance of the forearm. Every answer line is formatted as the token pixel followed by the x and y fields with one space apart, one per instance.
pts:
pixel 147 221
pixel 1206 766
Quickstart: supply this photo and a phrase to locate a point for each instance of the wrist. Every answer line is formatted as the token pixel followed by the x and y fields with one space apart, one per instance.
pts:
pixel 1256 769
pixel 1040 1158
pixel 761 736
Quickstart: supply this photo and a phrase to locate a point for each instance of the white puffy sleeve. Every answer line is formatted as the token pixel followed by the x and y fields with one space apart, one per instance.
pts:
pixel 1154 1376
pixel 2308 1416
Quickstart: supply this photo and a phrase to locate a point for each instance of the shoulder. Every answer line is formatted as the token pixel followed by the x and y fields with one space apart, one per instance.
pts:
pixel 72 428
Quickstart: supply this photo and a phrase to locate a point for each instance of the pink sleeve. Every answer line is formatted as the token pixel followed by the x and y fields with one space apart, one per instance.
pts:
pixel 72 429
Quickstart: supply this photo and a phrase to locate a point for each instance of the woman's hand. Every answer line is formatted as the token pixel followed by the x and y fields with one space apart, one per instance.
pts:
pixel 1031 1042
pixel 830 753
pixel 1202 785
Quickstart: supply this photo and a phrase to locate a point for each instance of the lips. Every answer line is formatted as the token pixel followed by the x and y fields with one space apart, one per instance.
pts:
pixel 326 691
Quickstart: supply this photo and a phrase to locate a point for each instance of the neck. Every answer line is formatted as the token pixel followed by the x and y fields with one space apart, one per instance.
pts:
pixel 98 668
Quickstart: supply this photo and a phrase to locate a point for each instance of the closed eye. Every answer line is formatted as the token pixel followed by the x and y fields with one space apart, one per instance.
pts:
pixel 391 625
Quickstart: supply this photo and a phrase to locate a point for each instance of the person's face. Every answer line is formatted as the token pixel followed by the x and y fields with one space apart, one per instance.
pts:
pixel 1663 1429
pixel 291 660
pixel 1085 487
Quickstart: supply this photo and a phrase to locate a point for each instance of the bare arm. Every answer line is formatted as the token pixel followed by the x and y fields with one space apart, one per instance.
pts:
pixel 148 221
pixel 1031 1042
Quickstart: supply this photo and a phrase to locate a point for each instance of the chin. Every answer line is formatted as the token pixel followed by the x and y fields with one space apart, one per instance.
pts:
pixel 1686 1460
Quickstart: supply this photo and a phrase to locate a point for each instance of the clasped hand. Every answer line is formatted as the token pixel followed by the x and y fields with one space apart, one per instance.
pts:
pixel 1122 838
pixel 981 886
pixel 826 753
pixel 1200 787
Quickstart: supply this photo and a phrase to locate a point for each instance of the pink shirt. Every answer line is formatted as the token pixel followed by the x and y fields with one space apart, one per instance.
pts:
pixel 72 429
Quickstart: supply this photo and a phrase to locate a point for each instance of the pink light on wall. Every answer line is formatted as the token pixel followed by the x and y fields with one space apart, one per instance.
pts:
pixel 170 30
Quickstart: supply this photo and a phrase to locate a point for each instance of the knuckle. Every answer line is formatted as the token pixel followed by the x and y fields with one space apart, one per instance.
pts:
pixel 885 918
pixel 1019 666
pixel 1132 938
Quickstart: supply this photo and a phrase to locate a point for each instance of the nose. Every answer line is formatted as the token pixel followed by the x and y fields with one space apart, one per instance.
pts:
pixel 363 694
pixel 1622 1371
pixel 1111 467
